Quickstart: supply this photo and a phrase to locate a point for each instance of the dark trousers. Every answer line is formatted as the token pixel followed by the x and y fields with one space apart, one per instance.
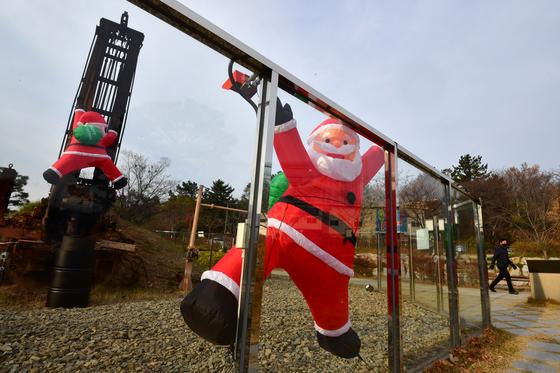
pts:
pixel 503 274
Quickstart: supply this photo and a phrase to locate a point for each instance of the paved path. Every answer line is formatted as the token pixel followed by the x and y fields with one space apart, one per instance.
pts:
pixel 511 313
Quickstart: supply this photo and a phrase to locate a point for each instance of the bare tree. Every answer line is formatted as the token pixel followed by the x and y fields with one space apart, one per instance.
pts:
pixel 148 185
pixel 421 197
pixel 495 195
pixel 534 194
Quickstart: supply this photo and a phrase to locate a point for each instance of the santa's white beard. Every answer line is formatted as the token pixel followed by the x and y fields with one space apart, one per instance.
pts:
pixel 336 168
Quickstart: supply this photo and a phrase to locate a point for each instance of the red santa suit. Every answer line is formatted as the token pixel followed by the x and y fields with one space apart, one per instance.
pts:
pixel 312 229
pixel 77 155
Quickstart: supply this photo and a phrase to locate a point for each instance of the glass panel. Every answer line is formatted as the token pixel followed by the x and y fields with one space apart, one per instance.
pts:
pixel 320 296
pixel 470 311
pixel 423 263
pixel 207 133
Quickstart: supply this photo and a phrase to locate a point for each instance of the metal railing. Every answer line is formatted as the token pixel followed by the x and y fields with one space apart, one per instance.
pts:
pixel 274 77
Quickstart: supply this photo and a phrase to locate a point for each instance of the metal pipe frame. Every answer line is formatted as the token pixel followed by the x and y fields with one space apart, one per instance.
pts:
pixel 252 275
pixel 379 261
pixel 184 19
pixel 452 291
pixel 437 251
pixel 482 265
pixel 411 277
pixel 393 263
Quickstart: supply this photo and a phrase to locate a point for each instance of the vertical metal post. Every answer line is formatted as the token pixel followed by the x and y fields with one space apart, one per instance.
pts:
pixel 393 263
pixel 452 292
pixel 411 265
pixel 439 287
pixel 248 325
pixel 186 284
pixel 195 217
pixel 482 266
pixel 379 262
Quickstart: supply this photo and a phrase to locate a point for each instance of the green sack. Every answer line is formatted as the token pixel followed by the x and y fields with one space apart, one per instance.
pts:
pixel 278 186
pixel 88 134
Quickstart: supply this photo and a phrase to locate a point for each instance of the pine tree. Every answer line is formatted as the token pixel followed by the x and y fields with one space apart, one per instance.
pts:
pixel 185 189
pixel 220 193
pixel 469 168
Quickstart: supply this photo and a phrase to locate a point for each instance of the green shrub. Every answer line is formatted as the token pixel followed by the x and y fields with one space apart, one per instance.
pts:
pixel 203 260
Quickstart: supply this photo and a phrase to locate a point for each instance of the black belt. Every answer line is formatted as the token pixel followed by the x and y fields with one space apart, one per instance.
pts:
pixel 332 221
pixel 89 146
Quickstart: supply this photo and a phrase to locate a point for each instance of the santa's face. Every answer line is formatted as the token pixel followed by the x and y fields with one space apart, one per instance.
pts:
pixel 336 142
pixel 334 152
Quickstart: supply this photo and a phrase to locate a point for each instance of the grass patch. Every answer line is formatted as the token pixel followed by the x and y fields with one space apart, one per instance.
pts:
pixel 18 297
pixel 493 351
pixel 104 294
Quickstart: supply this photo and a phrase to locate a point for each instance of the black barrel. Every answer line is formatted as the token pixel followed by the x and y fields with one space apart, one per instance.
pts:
pixel 72 272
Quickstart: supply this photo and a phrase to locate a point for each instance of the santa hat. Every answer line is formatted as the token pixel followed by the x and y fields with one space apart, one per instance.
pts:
pixel 93 118
pixel 332 123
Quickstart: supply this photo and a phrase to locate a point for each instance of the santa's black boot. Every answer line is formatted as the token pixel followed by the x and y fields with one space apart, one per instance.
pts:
pixel 210 310
pixel 346 345
pixel 50 176
pixel 121 183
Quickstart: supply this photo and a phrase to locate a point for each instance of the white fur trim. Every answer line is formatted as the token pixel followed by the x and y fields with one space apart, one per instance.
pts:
pixel 335 168
pixel 336 332
pixel 55 170
pixel 309 246
pixel 325 127
pixel 87 154
pixel 80 110
pixel 115 132
pixel 117 179
pixel 223 280
pixel 286 126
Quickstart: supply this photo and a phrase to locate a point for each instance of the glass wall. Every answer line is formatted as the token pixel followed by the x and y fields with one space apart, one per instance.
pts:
pixel 466 251
pixel 320 307
pixel 314 284
pixel 422 245
pixel 338 256
pixel 207 132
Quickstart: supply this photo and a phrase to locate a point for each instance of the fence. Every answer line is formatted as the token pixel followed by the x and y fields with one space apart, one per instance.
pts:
pixel 427 246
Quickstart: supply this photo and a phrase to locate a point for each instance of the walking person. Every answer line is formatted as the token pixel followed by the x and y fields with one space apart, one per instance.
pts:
pixel 501 257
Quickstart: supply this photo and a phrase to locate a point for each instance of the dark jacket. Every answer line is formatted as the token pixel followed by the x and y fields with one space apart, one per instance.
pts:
pixel 501 256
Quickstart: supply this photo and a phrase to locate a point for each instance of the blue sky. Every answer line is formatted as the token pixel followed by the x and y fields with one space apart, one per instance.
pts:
pixel 442 78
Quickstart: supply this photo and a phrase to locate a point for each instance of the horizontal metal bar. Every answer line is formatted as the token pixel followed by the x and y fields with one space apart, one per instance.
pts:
pixel 213 206
pixel 108 81
pixel 458 189
pixel 194 25
pixel 102 111
pixel 461 204
pixel 420 163
pixel 118 48
pixel 112 57
pixel 184 19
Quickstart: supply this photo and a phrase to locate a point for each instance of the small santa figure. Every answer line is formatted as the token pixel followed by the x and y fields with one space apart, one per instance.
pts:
pixel 87 148
pixel 311 235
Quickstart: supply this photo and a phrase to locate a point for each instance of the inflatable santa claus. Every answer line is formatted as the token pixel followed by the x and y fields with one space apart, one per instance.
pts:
pixel 87 148
pixel 311 235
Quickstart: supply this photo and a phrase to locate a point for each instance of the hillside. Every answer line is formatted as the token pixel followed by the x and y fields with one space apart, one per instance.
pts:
pixel 153 271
